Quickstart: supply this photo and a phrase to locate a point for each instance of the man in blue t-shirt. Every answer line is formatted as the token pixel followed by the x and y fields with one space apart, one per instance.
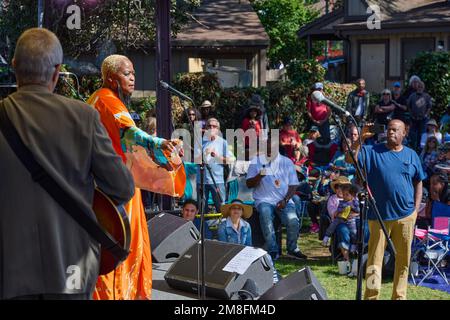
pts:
pixel 394 175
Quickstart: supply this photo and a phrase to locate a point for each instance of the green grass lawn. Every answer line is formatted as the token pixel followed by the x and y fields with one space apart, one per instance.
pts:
pixel 341 287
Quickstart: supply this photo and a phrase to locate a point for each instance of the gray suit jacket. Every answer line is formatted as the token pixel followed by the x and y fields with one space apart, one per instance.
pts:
pixel 42 249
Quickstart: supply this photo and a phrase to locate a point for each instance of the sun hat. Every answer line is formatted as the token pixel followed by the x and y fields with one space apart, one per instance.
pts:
pixel 432 122
pixel 206 104
pixel 247 210
pixel 339 181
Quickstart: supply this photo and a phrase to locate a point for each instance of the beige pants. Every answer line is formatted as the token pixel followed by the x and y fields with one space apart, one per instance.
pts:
pixel 401 232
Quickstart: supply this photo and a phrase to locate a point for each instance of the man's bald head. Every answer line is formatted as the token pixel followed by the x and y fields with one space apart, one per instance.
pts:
pixel 396 132
pixel 398 122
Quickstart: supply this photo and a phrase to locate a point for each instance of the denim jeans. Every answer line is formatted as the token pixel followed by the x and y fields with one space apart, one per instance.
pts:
pixel 209 189
pixel 343 235
pixel 288 217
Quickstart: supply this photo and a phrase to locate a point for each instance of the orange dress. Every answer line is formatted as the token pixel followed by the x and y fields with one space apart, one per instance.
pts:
pixel 132 279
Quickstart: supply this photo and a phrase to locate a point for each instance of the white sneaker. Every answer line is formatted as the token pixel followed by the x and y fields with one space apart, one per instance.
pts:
pixel 326 241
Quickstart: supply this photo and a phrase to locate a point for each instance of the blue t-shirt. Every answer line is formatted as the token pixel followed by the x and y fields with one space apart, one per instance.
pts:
pixel 390 177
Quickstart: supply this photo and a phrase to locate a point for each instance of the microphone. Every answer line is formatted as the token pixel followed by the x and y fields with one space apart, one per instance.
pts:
pixel 167 86
pixel 319 97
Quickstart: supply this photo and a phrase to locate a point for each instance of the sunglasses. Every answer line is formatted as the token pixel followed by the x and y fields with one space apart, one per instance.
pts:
pixel 191 114
pixel 386 94
pixel 212 126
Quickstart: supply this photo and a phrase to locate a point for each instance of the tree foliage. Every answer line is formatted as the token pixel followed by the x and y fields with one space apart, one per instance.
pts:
pixel 101 20
pixel 282 19
pixel 433 68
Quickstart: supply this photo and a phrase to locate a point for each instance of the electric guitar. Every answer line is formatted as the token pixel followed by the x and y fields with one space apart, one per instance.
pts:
pixel 114 220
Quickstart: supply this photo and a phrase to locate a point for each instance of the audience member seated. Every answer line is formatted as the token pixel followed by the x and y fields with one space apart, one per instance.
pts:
pixel 342 231
pixel 320 193
pixel 303 194
pixel 290 140
pixel 321 152
pixel 312 135
pixel 274 181
pixel 332 204
pixel 438 191
pixel 346 213
pixel 189 212
pixel 429 155
pixel 443 164
pixel 432 131
pixel 338 162
pixel 234 229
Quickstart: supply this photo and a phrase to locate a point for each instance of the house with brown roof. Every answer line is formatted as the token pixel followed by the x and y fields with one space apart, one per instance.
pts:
pixel 223 36
pixel 382 37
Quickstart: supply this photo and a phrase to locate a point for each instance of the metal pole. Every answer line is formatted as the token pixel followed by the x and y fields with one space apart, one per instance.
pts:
pixel 163 104
pixel 40 19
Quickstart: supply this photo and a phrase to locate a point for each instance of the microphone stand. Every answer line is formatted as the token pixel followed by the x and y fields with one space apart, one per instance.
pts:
pixel 366 198
pixel 203 202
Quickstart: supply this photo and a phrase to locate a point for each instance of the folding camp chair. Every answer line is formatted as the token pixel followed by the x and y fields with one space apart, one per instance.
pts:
pixel 432 245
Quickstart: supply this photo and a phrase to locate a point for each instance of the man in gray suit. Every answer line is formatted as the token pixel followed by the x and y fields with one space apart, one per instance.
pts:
pixel 45 254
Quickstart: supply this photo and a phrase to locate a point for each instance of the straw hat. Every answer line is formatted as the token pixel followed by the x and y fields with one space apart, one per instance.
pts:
pixel 432 122
pixel 206 104
pixel 339 181
pixel 247 210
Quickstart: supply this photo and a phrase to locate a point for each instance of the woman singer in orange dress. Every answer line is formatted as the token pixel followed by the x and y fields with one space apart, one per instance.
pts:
pixel 131 280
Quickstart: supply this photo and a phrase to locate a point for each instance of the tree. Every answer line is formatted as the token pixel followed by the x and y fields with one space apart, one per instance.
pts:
pixel 282 19
pixel 433 68
pixel 101 20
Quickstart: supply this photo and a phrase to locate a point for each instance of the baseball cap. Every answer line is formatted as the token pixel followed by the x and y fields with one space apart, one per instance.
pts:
pixel 318 85
pixel 397 85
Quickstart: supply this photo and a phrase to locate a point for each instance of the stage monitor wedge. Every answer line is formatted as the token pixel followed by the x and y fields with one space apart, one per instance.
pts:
pixel 300 285
pixel 170 236
pixel 184 274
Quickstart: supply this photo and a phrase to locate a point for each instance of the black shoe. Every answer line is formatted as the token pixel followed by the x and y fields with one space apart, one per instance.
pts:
pixel 297 254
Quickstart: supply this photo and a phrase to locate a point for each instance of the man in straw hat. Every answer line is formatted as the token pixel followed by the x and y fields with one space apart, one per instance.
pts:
pixel 205 112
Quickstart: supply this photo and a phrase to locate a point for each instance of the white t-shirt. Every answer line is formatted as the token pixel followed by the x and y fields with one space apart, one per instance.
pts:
pixel 273 187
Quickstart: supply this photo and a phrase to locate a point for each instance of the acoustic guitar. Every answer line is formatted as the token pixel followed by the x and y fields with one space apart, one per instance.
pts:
pixel 114 220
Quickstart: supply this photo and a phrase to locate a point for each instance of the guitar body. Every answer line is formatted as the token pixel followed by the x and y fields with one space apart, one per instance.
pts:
pixel 114 220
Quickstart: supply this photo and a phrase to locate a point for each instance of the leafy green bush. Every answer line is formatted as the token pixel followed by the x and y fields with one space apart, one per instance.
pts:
pixel 433 68
pixel 281 98
pixel 305 72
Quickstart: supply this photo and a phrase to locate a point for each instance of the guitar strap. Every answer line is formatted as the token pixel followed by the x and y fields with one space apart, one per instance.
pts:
pixel 68 203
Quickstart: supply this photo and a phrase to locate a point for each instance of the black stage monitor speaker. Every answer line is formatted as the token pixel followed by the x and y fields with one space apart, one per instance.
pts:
pixel 184 274
pixel 300 285
pixel 170 236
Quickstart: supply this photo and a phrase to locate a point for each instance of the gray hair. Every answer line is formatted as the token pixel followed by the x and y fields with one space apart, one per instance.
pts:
pixel 112 64
pixel 208 122
pixel 413 78
pixel 38 52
